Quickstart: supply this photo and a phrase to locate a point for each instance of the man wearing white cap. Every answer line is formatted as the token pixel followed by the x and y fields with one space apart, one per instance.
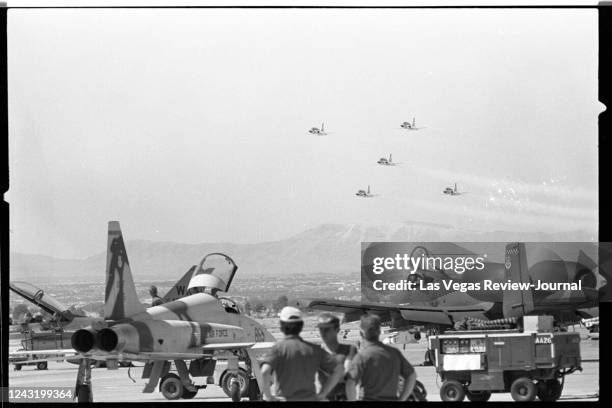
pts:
pixel 296 362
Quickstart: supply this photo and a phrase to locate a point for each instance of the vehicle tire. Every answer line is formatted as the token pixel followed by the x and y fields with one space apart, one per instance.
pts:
pixel 549 390
pixel 243 380
pixel 171 387
pixel 523 390
pixel 478 396
pixel 17 367
pixel 188 394
pixel 452 391
pixel 41 365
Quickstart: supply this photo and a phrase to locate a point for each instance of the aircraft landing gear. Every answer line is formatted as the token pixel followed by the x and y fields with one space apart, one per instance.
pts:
pixel 235 385
pixel 82 390
pixel 171 387
pixel 174 386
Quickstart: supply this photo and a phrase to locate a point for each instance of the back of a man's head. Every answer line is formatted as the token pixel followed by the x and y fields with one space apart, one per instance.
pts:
pixel 370 327
pixel 291 322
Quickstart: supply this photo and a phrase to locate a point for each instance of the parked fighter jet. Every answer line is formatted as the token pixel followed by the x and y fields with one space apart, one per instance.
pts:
pixel 409 126
pixel 62 324
pixel 197 327
pixel 61 316
pixel 317 131
pixel 363 193
pixel 451 191
pixel 383 161
pixel 442 308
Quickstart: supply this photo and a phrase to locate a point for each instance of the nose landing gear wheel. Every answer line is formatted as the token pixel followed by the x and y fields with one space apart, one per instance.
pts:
pixel 171 387
pixel 235 391
pixel 42 365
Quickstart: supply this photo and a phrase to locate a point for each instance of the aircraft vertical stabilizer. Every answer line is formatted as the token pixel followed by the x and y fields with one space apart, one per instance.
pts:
pixel 179 289
pixel 517 303
pixel 120 298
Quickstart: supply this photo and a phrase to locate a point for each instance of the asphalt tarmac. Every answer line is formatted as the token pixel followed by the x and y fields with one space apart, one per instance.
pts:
pixel 116 386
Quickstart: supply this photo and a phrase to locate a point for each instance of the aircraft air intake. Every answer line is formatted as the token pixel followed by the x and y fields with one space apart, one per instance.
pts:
pixel 83 340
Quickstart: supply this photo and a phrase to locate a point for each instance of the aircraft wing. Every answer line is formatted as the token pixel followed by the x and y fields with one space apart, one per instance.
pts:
pixel 35 356
pixel 427 314
pixel 147 356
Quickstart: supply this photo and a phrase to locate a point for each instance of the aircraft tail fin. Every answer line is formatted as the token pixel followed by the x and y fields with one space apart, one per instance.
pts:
pixel 179 289
pixel 413 121
pixel 322 126
pixel 120 300
pixel 368 189
pixel 519 302
pixel 390 158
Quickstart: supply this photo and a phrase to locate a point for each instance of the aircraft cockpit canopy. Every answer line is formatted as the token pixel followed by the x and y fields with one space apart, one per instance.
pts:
pixel 214 273
pixel 38 297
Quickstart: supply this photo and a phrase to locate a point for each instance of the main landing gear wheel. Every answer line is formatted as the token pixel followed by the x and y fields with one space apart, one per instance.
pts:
pixel 171 387
pixel 478 396
pixel 523 390
pixel 452 391
pixel 241 378
pixel 549 390
pixel 17 367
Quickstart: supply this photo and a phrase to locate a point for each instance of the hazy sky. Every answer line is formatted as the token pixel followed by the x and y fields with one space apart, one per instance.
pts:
pixel 191 125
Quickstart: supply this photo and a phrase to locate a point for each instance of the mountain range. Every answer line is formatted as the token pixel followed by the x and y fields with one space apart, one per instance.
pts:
pixel 325 249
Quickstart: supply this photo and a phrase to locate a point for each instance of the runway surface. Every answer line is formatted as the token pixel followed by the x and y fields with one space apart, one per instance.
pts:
pixel 116 386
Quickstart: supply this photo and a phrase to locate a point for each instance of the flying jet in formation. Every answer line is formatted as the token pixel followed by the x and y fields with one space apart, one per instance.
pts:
pixel 199 328
pixel 317 131
pixel 383 161
pixel 410 126
pixel 364 193
pixel 451 191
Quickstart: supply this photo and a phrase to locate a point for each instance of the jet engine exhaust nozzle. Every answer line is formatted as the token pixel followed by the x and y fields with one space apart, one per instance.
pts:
pixel 83 340
pixel 107 340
